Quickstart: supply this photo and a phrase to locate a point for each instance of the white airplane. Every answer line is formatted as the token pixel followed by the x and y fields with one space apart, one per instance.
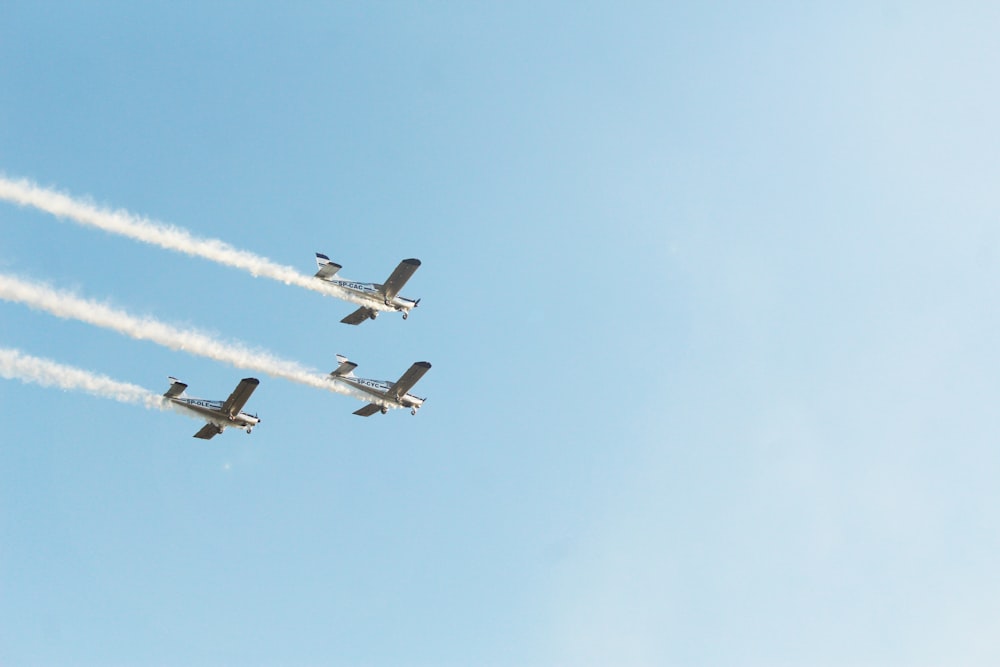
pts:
pixel 386 394
pixel 384 297
pixel 220 414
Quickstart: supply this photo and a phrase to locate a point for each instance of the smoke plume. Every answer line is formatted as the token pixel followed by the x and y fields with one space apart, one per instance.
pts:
pixel 26 193
pixel 68 306
pixel 15 365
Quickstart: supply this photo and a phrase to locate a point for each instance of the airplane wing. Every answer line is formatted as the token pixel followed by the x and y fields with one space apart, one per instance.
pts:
pixel 408 379
pixel 368 410
pixel 207 432
pixel 399 277
pixel 176 388
pixel 359 315
pixel 327 269
pixel 240 396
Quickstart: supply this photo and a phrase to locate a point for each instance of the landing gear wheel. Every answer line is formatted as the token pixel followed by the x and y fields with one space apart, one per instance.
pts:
pixel 405 315
pixel 413 411
pixel 385 410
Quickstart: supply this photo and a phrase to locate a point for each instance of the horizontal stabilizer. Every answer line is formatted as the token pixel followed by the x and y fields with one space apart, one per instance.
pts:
pixel 345 368
pixel 327 269
pixel 368 410
pixel 176 388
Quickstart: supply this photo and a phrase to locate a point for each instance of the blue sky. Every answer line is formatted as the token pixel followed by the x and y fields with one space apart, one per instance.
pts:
pixel 709 291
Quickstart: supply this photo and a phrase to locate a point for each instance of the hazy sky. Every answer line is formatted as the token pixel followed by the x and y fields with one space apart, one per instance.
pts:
pixel 709 290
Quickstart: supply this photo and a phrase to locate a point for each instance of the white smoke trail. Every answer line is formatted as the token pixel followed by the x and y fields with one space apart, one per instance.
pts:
pixel 26 193
pixel 68 306
pixel 15 365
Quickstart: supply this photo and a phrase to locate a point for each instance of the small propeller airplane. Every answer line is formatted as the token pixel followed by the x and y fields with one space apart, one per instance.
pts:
pixel 384 297
pixel 386 394
pixel 220 414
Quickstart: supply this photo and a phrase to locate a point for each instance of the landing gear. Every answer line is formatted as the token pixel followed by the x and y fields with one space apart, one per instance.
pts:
pixel 405 314
pixel 249 430
pixel 385 410
pixel 413 411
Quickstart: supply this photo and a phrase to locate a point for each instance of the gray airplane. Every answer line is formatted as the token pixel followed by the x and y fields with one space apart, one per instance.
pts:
pixel 384 394
pixel 384 297
pixel 220 414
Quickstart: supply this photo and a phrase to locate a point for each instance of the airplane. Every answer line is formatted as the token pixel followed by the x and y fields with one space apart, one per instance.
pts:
pixel 220 414
pixel 387 394
pixel 377 297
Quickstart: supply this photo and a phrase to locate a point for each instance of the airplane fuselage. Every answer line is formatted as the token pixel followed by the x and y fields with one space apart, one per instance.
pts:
pixel 373 297
pixel 379 389
pixel 212 411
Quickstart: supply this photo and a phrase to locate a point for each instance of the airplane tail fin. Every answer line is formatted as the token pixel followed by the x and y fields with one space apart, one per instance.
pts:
pixel 345 369
pixel 326 268
pixel 176 388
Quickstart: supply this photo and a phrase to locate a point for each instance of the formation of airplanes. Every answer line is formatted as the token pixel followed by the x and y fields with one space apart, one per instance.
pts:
pixel 381 395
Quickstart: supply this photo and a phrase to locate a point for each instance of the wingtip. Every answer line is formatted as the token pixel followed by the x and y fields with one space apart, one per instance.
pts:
pixel 412 262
